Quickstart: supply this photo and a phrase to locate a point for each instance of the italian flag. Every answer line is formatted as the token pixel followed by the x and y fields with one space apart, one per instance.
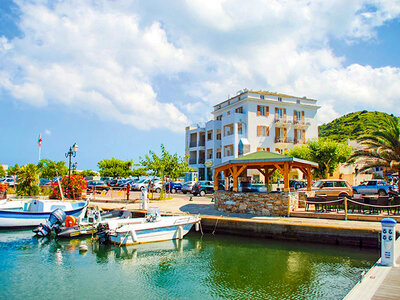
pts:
pixel 40 140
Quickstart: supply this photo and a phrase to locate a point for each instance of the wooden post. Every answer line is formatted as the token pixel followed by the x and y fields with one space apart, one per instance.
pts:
pixel 288 206
pixel 286 187
pixel 216 180
pixel 309 178
pixel 266 177
pixel 235 179
pixel 345 208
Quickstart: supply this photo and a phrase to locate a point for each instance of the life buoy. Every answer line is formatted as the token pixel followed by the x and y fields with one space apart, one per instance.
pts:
pixel 70 221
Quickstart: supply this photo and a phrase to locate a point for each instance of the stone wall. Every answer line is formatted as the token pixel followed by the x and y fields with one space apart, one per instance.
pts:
pixel 262 204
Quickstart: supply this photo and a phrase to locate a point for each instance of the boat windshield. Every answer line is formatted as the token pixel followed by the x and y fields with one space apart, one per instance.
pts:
pixel 317 184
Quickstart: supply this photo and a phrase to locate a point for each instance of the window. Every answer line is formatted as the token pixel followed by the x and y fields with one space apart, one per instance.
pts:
pixel 262 110
pixel 298 101
pixel 262 131
pixel 228 150
pixel 280 113
pixel 228 130
pixel 240 128
pixel 209 153
pixel 298 116
pixel 219 135
pixel 209 135
pixel 280 99
pixel 239 110
pixel 372 182
pixel 219 118
pixel 277 150
pixel 262 149
pixel 340 184
pixel 262 97
pixel 218 153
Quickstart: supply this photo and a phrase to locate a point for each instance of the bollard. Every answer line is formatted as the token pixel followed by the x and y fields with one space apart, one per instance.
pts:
pixel 388 236
pixel 345 208
pixel 144 198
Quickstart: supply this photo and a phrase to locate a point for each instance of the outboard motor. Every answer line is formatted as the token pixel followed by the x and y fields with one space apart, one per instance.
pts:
pixel 56 218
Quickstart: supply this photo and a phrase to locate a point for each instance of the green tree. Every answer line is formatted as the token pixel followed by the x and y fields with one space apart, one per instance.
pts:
pixel 327 153
pixel 50 169
pixel 28 180
pixel 115 168
pixel 2 172
pixel 87 173
pixel 139 172
pixel 13 170
pixel 381 145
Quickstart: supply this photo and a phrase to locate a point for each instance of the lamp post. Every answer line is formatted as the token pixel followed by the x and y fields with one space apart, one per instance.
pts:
pixel 71 153
pixel 74 166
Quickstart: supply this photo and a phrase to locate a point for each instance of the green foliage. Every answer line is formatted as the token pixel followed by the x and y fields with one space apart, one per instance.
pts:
pixel 87 173
pixel 2 171
pixel 139 172
pixel 167 164
pixel 381 145
pixel 115 168
pixel 28 180
pixel 327 153
pixel 50 169
pixel 13 170
pixel 74 190
pixel 351 126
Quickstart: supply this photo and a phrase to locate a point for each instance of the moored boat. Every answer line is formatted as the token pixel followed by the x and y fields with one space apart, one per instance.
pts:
pixel 153 228
pixel 34 212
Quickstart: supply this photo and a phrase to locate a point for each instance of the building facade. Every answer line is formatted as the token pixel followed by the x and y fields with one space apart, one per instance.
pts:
pixel 248 122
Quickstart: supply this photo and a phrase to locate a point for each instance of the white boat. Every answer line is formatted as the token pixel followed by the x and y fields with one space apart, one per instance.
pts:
pixel 34 212
pixel 153 228
pixel 10 204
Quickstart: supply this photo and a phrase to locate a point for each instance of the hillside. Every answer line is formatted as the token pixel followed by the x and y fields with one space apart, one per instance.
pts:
pixel 349 126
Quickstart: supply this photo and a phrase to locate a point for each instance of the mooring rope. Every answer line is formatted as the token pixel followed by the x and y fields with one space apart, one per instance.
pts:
pixel 351 200
pixel 215 227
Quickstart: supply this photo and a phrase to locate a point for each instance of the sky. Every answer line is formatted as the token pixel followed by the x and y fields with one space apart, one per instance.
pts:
pixel 121 77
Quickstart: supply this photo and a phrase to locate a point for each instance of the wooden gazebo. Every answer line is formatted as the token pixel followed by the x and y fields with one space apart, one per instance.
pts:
pixel 266 163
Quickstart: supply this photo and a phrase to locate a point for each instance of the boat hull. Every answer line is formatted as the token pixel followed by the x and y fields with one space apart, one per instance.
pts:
pixel 26 219
pixel 129 235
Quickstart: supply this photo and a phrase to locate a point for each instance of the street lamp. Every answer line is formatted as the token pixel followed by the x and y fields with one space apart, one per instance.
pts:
pixel 71 153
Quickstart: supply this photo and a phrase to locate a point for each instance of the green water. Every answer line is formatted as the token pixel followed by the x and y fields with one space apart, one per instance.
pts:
pixel 207 267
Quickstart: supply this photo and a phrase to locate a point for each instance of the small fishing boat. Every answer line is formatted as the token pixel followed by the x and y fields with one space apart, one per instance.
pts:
pixel 34 212
pixel 89 226
pixel 153 228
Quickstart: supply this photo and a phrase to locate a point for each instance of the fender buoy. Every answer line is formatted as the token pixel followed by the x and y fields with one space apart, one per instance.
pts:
pixel 70 221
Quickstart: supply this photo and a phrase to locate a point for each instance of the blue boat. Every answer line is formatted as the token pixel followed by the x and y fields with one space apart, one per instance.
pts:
pixel 34 212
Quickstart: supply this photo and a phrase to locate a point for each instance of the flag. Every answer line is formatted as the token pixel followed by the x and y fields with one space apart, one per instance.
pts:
pixel 40 140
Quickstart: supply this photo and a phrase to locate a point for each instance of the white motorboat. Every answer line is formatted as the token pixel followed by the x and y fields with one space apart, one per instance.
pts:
pixel 34 212
pixel 153 228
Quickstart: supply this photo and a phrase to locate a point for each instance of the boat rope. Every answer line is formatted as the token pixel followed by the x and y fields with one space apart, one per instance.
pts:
pixel 216 223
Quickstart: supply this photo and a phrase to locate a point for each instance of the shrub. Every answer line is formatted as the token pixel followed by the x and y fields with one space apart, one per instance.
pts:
pixel 76 187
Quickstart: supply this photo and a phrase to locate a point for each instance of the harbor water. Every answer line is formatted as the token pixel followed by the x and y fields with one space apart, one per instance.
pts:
pixel 197 267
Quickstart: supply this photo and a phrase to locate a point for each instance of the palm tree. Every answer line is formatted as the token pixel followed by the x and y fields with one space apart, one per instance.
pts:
pixel 382 145
pixel 28 180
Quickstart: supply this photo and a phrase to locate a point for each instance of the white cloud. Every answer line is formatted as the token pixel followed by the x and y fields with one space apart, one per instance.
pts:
pixel 47 132
pixel 106 58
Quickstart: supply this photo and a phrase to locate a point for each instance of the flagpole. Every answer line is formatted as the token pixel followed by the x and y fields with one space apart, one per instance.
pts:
pixel 40 147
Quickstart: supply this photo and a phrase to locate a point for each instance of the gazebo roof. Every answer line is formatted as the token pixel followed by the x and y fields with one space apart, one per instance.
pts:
pixel 266 157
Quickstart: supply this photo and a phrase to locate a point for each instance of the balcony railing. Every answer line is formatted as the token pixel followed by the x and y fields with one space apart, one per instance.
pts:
pixel 192 161
pixel 283 140
pixel 192 144
pixel 299 141
pixel 202 161
pixel 202 143
pixel 280 122
pixel 300 124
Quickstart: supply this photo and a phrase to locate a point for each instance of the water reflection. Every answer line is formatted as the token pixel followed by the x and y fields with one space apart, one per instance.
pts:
pixel 209 266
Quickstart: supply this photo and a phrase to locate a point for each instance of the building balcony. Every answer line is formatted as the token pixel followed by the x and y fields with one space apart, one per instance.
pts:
pixel 299 141
pixel 193 144
pixel 283 142
pixel 301 124
pixel 282 123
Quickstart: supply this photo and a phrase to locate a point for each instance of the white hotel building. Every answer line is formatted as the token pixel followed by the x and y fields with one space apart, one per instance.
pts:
pixel 249 122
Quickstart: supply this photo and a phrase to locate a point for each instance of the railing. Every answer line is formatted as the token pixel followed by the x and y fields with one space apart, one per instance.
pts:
pixel 193 144
pixel 299 141
pixel 192 161
pixel 282 121
pixel 283 140
pixel 301 124
pixel 202 143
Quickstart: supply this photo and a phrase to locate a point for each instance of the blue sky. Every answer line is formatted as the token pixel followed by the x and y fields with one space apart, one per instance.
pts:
pixel 121 77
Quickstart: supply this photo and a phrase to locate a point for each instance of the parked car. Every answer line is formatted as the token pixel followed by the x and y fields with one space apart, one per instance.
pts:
pixel 11 182
pixel 203 187
pixel 156 186
pixel 252 187
pixel 331 187
pixel 98 184
pixel 187 187
pixel 44 181
pixel 175 186
pixel 297 184
pixel 373 187
pixel 137 186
